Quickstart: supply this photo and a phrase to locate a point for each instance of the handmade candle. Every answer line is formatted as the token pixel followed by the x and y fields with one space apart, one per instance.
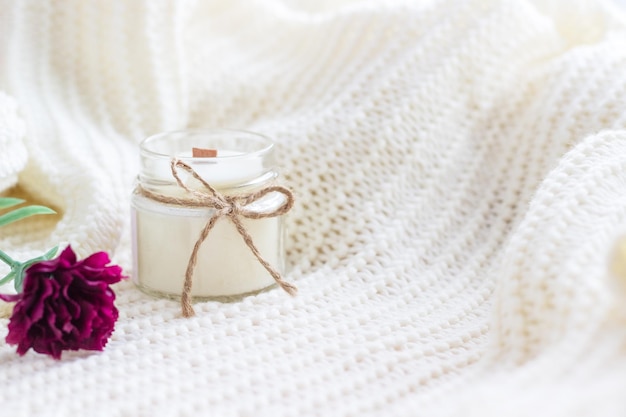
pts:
pixel 171 208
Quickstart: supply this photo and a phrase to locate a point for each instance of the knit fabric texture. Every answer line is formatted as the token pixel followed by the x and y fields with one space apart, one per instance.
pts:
pixel 460 183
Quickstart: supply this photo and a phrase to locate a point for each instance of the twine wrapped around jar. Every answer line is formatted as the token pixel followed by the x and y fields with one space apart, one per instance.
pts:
pixel 234 207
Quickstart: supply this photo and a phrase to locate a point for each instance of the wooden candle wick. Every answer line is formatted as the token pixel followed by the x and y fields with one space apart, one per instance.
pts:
pixel 203 153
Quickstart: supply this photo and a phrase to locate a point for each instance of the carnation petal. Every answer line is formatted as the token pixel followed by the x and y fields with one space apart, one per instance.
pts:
pixel 43 267
pixel 68 255
pixel 22 346
pixel 112 274
pixel 18 329
pixel 50 320
pixel 47 346
pixel 97 260
pixel 35 296
pixel 10 298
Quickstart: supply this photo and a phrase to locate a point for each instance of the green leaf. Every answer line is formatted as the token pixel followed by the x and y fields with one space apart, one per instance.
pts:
pixel 6 202
pixel 24 212
pixel 7 278
pixel 48 255
pixel 7 259
pixel 18 282
pixel 20 270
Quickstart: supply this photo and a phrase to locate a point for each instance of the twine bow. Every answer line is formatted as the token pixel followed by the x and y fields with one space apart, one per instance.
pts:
pixel 233 207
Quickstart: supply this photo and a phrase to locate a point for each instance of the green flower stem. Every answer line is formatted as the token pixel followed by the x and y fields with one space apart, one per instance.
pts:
pixel 18 268
pixel 8 260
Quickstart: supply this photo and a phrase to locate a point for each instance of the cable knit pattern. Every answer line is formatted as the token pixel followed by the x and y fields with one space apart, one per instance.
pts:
pixel 460 181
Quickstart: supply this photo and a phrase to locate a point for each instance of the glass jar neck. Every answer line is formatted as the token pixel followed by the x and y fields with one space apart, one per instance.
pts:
pixel 243 160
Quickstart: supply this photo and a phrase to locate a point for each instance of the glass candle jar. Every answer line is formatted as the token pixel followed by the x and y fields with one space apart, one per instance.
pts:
pixel 164 234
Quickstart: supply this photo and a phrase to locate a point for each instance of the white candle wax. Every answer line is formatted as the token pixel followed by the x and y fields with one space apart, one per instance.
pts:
pixel 225 265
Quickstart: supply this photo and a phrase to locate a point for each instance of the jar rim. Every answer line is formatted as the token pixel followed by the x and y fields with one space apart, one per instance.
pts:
pixel 264 141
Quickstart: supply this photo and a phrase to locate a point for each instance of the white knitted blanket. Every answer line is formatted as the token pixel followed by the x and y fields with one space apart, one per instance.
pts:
pixel 459 170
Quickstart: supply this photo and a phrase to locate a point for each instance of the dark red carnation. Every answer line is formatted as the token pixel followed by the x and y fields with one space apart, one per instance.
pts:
pixel 65 305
